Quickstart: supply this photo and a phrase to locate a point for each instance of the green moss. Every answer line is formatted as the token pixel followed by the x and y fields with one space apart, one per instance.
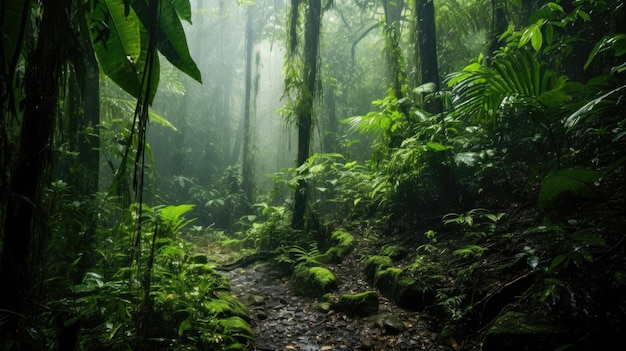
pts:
pixel 342 237
pixel 313 281
pixel 322 276
pixel 343 246
pixel 375 263
pixel 362 304
pixel 387 280
pixel 393 251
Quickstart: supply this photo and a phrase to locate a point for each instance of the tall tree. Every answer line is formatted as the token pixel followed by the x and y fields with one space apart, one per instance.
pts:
pixel 247 165
pixel 45 68
pixel 497 26
pixel 426 52
pixel 306 95
pixel 393 16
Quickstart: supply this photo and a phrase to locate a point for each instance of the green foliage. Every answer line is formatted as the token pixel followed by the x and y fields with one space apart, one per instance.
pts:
pixel 275 231
pixel 190 304
pixel 577 183
pixel 120 37
pixel 517 80
pixel 615 43
pixel 297 257
pixel 477 222
pixel 470 251
pixel 172 217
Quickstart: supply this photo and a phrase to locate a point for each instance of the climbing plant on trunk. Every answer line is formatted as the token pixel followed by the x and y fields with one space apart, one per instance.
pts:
pixel 305 91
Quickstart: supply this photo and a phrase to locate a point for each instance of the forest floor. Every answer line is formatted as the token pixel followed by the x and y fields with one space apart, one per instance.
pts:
pixel 284 320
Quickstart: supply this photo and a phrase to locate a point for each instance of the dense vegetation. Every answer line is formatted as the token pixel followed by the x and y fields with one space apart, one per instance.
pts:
pixel 481 158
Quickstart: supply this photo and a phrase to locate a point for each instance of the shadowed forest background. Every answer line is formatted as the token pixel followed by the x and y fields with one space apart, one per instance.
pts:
pixel 470 154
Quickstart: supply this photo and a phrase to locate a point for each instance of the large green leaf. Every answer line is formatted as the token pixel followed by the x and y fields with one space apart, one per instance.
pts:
pixel 183 9
pixel 171 40
pixel 120 42
pixel 515 76
pixel 577 182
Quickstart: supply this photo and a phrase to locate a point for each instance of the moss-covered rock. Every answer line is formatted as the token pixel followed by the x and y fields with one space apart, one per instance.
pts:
pixel 387 279
pixel 394 251
pixel 406 291
pixel 412 294
pixel 362 304
pixel 313 281
pixel 374 264
pixel 343 245
pixel 520 331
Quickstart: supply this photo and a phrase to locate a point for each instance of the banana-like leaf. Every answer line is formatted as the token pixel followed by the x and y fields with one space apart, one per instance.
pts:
pixel 609 99
pixel 171 40
pixel 183 9
pixel 129 107
pixel 120 42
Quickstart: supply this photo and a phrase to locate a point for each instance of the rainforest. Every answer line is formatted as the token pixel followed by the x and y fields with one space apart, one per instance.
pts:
pixel 312 175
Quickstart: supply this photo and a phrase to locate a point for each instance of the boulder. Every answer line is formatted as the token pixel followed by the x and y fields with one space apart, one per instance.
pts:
pixel 361 304
pixel 313 281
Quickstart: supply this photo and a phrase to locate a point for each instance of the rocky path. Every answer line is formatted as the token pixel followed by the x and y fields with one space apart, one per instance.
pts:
pixel 283 320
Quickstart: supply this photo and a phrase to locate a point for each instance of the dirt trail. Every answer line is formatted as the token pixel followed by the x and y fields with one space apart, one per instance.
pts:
pixel 283 320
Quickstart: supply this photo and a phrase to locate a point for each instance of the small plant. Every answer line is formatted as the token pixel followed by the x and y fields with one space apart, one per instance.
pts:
pixel 531 258
pixel 430 247
pixel 296 256
pixel 478 222
pixel 470 251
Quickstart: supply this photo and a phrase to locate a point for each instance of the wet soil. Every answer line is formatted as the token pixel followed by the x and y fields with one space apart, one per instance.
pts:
pixel 283 320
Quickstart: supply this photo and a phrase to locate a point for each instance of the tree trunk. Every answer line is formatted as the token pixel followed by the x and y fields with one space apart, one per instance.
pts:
pixel 88 146
pixel 246 162
pixel 496 28
pixel 89 143
pixel 393 16
pixel 332 127
pixel 22 224
pixel 304 108
pixel 427 50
